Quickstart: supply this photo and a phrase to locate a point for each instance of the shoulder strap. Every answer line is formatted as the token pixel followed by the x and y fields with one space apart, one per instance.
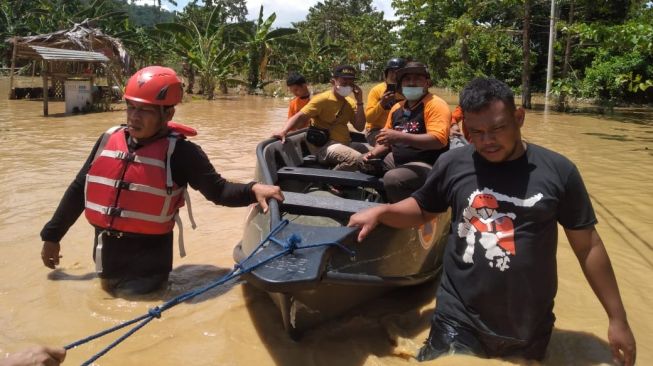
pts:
pixel 105 139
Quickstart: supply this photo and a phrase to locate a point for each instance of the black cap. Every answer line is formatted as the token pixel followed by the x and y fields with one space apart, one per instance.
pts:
pixel 395 63
pixel 344 71
pixel 413 68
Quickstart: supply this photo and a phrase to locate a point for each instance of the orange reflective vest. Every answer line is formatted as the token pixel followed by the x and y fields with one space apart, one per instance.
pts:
pixel 133 192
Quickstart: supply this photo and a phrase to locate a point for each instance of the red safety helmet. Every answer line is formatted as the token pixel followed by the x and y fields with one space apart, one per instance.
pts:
pixel 154 85
pixel 485 200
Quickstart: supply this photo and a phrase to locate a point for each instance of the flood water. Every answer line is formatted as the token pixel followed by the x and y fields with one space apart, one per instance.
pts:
pixel 237 325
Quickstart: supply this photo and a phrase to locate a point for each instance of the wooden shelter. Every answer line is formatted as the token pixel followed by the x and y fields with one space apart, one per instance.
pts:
pixel 82 51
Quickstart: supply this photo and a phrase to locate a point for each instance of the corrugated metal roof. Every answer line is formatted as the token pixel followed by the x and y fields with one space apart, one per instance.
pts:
pixel 60 54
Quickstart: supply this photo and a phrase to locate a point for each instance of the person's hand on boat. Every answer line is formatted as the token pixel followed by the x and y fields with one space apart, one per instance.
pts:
pixel 622 342
pixel 36 356
pixel 50 254
pixel 366 221
pixel 281 135
pixel 389 136
pixel 263 192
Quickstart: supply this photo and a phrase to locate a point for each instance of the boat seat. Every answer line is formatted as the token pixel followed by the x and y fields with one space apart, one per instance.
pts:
pixel 310 159
pixel 328 206
pixel 351 179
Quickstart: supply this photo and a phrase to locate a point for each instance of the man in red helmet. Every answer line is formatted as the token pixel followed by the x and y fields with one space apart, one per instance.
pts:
pixel 506 196
pixel 134 183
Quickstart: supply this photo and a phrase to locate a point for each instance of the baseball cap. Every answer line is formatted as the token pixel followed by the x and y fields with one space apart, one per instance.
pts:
pixel 413 68
pixel 344 71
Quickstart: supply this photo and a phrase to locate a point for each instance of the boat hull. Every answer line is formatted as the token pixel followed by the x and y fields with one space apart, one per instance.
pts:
pixel 313 285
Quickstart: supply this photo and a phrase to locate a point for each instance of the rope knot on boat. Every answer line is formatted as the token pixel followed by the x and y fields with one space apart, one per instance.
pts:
pixel 292 242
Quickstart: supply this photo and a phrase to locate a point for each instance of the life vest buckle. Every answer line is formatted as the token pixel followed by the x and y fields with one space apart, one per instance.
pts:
pixel 114 211
pixel 129 157
pixel 121 184
pixel 126 156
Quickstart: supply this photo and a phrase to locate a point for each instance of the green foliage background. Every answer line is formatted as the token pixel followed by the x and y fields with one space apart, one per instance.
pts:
pixel 603 50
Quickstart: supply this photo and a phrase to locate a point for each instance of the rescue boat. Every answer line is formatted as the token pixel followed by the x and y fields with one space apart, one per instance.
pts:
pixel 316 283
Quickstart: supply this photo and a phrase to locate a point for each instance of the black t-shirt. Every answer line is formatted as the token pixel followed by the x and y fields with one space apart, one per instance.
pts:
pixel 409 120
pixel 500 262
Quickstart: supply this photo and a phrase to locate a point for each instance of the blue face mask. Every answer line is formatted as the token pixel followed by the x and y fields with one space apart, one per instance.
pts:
pixel 412 93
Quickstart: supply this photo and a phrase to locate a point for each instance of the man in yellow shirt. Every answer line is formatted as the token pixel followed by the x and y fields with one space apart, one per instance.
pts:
pixel 297 85
pixel 330 112
pixel 415 134
pixel 381 98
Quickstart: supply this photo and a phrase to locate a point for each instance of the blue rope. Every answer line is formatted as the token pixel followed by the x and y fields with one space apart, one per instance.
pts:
pixel 288 246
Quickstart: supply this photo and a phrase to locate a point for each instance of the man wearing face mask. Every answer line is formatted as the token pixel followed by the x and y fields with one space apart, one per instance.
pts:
pixel 415 134
pixel 330 112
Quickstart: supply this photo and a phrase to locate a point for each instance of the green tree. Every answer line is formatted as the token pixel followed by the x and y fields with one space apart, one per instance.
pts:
pixel 357 28
pixel 328 18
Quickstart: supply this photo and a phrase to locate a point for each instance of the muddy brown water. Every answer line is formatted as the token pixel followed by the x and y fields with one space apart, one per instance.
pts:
pixel 238 325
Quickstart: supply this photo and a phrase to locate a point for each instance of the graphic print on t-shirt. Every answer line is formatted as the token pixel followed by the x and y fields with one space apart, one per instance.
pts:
pixel 495 228
pixel 408 127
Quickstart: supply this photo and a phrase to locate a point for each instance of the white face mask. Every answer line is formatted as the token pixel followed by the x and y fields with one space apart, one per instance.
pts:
pixel 343 90
pixel 412 93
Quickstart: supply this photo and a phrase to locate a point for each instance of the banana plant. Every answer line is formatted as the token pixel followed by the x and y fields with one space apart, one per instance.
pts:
pixel 205 48
pixel 259 39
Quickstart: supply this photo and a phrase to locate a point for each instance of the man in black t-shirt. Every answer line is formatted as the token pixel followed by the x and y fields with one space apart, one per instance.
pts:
pixel 499 279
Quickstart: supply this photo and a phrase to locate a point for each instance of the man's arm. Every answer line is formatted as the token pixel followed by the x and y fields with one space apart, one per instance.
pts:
pixel 36 356
pixel 359 117
pixel 375 106
pixel 400 215
pixel 70 208
pixel 191 165
pixel 595 263
pixel 295 121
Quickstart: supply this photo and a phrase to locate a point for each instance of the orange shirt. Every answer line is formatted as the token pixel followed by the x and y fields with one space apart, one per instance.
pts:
pixel 437 117
pixel 295 106
pixel 457 115
pixel 457 118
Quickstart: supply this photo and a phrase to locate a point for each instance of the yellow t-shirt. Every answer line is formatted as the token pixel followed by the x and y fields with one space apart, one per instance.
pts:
pixel 375 115
pixel 330 113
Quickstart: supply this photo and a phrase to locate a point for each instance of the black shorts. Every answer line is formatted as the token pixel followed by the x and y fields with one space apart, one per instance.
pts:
pixel 133 255
pixel 450 337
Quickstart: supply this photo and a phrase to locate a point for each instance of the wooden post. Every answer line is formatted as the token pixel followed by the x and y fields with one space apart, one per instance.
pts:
pixel 44 74
pixel 109 97
pixel 11 70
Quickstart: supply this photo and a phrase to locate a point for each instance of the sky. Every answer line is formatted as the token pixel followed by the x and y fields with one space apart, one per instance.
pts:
pixel 287 10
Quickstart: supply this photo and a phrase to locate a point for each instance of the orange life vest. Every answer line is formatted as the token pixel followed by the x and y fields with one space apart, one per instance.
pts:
pixel 133 192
